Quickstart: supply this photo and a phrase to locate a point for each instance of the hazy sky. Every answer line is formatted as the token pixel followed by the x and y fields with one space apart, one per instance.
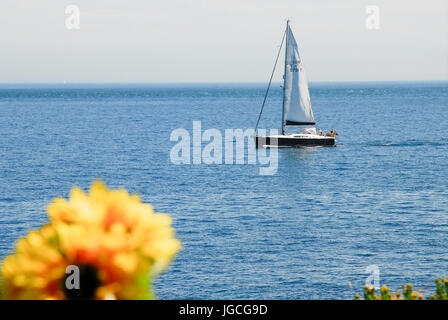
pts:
pixel 220 40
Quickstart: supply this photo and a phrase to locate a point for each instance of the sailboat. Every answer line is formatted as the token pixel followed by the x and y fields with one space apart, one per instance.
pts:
pixel 297 110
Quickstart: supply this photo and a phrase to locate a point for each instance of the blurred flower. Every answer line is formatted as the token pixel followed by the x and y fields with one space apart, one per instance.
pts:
pixel 116 242
pixel 117 212
pixel 385 294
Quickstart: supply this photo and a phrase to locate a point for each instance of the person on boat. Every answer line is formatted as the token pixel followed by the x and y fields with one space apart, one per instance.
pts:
pixel 332 133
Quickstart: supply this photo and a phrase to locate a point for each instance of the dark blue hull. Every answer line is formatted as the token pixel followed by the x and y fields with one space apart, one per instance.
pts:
pixel 294 142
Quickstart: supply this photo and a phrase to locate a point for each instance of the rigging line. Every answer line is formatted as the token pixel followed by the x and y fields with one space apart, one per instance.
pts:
pixel 270 80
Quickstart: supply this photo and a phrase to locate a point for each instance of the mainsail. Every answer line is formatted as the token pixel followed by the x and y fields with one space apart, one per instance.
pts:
pixel 297 109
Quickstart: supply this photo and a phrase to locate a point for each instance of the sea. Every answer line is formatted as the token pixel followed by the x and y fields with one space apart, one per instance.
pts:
pixel 330 220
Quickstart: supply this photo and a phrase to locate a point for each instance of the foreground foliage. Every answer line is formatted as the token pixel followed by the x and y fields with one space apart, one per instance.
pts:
pixel 407 292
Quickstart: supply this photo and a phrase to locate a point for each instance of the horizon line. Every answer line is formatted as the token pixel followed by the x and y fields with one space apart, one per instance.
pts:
pixel 209 82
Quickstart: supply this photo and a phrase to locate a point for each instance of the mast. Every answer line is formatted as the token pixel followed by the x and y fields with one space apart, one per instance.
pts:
pixel 284 77
pixel 270 80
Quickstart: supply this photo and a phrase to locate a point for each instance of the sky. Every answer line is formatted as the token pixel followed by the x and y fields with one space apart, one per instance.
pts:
pixel 187 41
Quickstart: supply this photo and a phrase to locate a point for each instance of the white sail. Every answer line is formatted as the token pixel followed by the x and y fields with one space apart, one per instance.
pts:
pixel 297 109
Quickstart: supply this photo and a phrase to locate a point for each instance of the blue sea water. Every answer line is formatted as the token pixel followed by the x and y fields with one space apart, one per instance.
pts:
pixel 380 197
